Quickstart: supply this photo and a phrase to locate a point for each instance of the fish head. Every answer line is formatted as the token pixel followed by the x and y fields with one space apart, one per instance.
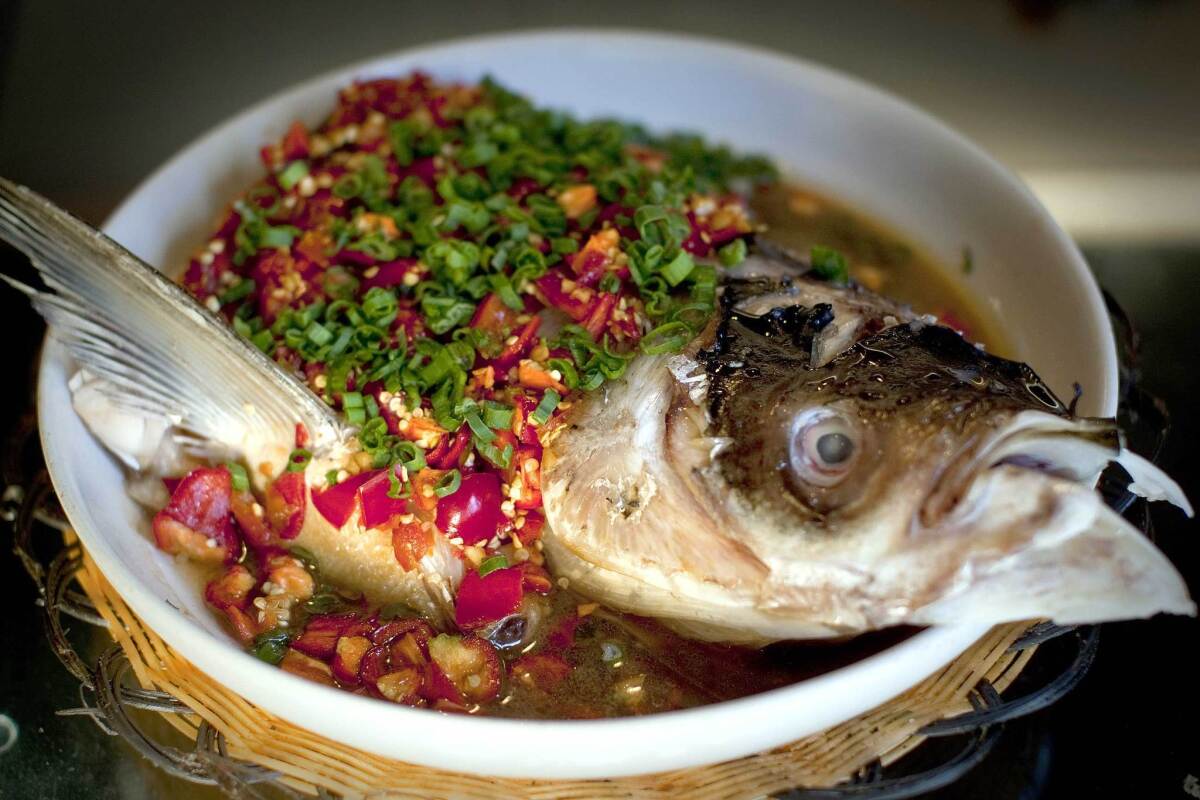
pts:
pixel 905 476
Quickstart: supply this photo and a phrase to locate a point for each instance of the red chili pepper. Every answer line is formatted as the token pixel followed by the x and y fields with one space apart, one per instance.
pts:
pixel 532 529
pixel 542 671
pixel 295 142
pixel 337 503
pixel 462 669
pixel 321 633
pixel 301 435
pixel 526 468
pixel 487 599
pixel 285 504
pixel 512 353
pixel 377 507
pixel 231 589
pixel 493 315
pixel 255 531
pixel 197 520
pixel 411 541
pixel 599 312
pixel 550 287
pixel 449 450
pixel 390 274
pixel 473 511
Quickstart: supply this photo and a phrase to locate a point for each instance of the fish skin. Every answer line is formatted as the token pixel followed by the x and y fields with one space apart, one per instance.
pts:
pixel 708 517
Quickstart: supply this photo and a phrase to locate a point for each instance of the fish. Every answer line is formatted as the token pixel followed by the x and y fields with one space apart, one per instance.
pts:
pixel 819 462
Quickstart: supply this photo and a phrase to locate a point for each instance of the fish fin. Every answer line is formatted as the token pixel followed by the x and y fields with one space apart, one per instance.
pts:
pixel 1151 482
pixel 149 339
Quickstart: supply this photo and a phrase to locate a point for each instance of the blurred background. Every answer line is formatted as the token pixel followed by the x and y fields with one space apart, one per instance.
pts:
pixel 1096 103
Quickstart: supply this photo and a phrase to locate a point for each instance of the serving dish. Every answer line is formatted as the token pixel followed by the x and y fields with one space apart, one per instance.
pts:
pixel 860 145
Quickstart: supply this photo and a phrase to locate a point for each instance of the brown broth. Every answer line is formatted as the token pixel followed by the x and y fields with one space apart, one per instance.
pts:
pixel 878 257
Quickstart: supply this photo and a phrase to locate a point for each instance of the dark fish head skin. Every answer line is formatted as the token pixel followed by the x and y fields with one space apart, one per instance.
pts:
pixel 817 444
pixel 821 462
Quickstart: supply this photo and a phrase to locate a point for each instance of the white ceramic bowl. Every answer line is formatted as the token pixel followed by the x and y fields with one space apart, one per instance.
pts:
pixel 866 147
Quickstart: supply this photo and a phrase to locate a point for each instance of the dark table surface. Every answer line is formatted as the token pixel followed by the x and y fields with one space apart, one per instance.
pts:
pixel 1129 730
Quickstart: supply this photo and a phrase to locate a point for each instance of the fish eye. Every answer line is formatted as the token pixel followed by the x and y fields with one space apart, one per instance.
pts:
pixel 824 447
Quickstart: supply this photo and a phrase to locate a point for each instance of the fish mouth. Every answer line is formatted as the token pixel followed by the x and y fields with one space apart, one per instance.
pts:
pixel 1077 450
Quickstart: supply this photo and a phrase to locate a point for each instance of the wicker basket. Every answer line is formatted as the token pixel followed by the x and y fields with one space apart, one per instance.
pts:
pixel 307 763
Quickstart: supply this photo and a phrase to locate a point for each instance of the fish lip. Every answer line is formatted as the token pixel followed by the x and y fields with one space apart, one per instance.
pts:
pixel 1081 448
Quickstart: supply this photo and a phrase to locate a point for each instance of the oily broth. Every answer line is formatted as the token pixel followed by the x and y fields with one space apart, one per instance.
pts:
pixel 882 260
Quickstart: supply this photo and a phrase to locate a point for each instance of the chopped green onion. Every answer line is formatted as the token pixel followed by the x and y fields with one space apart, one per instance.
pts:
pixel 497 415
pixel 331 478
pixel 352 400
pixel 541 414
pixel 494 455
pixel 355 416
pixel 491 564
pixel 829 264
pixel 680 267
pixel 242 288
pixel 397 489
pixel 448 484
pixel 292 174
pixel 668 338
pixel 733 253
pixel 318 334
pixel 263 340
pixel 298 460
pixel 481 431
pixel 279 236
pixel 238 477
pixel 411 456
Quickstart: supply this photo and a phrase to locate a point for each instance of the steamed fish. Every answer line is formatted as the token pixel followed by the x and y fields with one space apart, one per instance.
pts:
pixel 817 462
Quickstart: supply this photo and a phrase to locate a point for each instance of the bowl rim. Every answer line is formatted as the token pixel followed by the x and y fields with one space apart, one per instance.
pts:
pixel 648 738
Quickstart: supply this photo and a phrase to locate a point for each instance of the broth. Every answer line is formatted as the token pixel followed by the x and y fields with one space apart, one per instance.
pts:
pixel 879 258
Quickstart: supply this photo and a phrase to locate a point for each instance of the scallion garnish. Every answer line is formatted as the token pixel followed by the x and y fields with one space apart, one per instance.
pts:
pixel 298 460
pixel 497 415
pixel 448 484
pixel 241 289
pixel 292 174
pixel 482 432
pixel 829 264
pixel 491 564
pixel 238 477
pixel 668 338
pixel 549 402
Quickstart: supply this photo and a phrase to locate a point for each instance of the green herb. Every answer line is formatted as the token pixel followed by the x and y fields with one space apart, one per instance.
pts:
pixel 497 415
pixel 448 484
pixel 733 253
pixel 541 414
pixel 271 646
pixel 241 289
pixel 491 564
pixel 298 460
pixel 481 431
pixel 829 264
pixel 668 338
pixel 238 477
pixel 291 174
